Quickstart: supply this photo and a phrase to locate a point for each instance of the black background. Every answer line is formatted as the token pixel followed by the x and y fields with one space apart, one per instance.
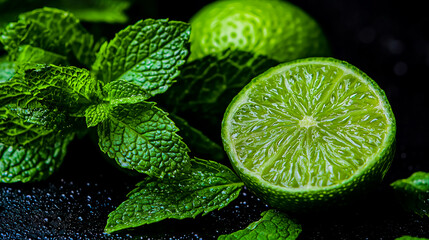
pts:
pixel 388 40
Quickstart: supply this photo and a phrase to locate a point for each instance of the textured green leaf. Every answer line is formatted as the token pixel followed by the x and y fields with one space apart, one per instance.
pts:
pixel 68 88
pixel 14 91
pixel 200 144
pixel 30 54
pixel 21 121
pixel 413 193
pixel 52 30
pixel 117 92
pixel 42 100
pixel 23 125
pixel 35 161
pixel 207 86
pixel 147 54
pixel 207 187
pixel 122 91
pixel 7 70
pixel 96 114
pixel 140 136
pixel 272 226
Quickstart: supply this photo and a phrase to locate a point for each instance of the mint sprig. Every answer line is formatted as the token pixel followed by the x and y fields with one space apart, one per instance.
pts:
pixel 55 86
pixel 41 98
pixel 209 186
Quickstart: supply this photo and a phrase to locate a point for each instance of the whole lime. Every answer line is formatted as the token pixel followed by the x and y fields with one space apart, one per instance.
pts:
pixel 275 28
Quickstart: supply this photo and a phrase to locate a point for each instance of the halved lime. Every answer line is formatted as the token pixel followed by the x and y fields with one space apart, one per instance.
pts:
pixel 309 132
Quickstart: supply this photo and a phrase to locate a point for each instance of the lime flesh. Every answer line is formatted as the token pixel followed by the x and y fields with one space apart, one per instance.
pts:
pixel 309 131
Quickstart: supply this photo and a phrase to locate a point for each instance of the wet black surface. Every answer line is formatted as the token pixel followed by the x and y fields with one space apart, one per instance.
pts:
pixel 75 202
pixel 387 40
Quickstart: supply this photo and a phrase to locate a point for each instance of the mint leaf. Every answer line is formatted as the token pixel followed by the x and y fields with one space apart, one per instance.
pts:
pixel 122 91
pixel 22 118
pixel 272 226
pixel 117 92
pixel 43 99
pixel 200 144
pixel 68 88
pixel 35 161
pixel 413 193
pixel 140 136
pixel 206 86
pixel 30 54
pixel 147 54
pixel 96 114
pixel 207 187
pixel 23 125
pixel 51 30
pixel 7 70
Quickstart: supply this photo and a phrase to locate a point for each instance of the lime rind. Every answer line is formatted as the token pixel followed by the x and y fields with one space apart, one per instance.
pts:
pixel 372 169
pixel 275 28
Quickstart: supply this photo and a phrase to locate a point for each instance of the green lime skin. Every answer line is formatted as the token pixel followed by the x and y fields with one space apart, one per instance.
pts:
pixel 310 133
pixel 275 28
